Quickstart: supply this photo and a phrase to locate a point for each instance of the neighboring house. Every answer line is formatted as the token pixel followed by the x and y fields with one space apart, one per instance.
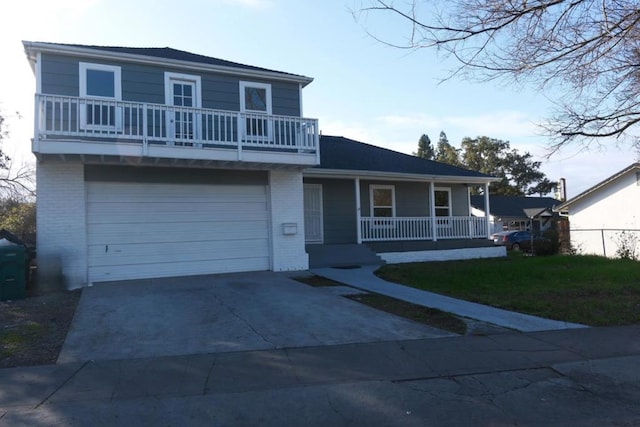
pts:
pixel 154 162
pixel 600 214
pixel 517 212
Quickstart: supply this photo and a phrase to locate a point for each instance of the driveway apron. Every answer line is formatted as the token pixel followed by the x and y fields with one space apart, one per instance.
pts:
pixel 221 313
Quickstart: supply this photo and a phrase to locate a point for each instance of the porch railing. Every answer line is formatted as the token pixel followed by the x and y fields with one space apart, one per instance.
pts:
pixel 421 228
pixel 73 117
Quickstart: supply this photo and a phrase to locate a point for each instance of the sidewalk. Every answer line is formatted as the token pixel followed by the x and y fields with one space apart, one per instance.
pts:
pixel 588 376
pixel 365 279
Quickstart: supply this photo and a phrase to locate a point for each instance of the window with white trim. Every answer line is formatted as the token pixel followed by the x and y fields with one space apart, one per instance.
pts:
pixel 255 98
pixel 101 87
pixel 442 201
pixel 383 201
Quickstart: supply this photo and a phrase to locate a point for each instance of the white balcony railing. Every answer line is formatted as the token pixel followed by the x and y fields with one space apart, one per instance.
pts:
pixel 380 229
pixel 69 118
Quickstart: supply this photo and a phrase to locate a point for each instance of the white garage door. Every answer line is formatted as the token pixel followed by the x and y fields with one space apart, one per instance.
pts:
pixel 160 230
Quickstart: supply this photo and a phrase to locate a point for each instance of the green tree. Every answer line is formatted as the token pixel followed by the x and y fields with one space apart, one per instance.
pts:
pixel 519 174
pixel 19 217
pixel 425 150
pixel 445 152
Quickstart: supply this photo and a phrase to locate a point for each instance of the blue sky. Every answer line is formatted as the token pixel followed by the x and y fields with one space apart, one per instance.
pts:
pixel 362 89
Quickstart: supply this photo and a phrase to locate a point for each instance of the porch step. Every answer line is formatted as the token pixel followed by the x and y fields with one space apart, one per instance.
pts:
pixel 341 256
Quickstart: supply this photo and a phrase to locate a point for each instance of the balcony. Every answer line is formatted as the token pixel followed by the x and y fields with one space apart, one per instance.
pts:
pixel 95 127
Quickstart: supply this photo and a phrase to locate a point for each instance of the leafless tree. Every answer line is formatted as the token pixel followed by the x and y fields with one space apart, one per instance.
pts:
pixel 16 181
pixel 585 54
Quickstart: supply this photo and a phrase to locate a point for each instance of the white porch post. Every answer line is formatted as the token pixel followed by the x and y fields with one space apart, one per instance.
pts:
pixel 487 209
pixel 470 220
pixel 358 226
pixel 432 198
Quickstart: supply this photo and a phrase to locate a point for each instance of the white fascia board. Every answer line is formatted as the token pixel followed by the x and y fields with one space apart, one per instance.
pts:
pixel 395 176
pixel 31 48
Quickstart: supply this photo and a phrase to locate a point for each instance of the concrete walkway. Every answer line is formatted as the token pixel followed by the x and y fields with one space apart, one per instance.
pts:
pixel 585 377
pixel 365 279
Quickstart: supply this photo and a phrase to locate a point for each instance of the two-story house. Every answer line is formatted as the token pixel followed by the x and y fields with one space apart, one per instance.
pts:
pixel 155 162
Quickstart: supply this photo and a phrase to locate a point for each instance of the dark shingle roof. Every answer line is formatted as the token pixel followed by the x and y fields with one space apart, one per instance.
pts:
pixel 175 54
pixel 338 153
pixel 514 206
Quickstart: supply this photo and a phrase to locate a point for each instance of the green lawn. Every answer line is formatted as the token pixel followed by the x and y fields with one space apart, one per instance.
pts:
pixel 584 289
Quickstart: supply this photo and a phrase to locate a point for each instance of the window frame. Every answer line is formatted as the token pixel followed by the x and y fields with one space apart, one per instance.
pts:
pixel 266 87
pixel 117 79
pixel 83 67
pixel 448 207
pixel 373 206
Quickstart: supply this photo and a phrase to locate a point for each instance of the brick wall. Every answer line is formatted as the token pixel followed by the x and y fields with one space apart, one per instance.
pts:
pixel 287 207
pixel 61 222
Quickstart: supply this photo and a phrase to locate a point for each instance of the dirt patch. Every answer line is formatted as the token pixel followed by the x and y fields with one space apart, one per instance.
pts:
pixel 33 330
pixel 317 281
pixel 428 316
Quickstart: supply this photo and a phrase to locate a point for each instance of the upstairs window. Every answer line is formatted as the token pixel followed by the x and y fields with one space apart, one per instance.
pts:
pixel 256 98
pixel 100 81
pixel 102 84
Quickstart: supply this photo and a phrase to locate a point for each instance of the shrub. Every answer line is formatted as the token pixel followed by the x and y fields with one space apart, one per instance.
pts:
pixel 548 245
pixel 627 245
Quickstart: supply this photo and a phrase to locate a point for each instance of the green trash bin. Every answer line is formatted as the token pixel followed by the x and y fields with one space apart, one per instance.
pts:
pixel 12 272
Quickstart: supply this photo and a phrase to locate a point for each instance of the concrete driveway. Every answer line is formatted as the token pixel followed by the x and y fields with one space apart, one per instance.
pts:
pixel 221 313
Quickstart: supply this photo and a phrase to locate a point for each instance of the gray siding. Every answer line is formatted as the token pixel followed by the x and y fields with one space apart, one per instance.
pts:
pixel 338 210
pixel 412 198
pixel 460 200
pixel 145 83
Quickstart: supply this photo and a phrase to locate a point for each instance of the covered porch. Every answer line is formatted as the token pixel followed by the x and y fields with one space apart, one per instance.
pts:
pixel 341 210
pixel 370 220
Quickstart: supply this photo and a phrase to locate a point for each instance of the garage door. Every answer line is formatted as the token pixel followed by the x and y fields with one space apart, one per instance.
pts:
pixel 159 230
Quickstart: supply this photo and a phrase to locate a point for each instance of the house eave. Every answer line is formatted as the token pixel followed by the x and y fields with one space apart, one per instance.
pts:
pixel 32 48
pixel 393 176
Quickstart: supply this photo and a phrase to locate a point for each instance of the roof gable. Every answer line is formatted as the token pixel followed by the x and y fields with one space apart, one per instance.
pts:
pixel 634 167
pixel 339 153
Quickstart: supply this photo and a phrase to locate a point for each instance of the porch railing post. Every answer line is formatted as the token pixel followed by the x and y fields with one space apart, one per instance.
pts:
pixel 358 213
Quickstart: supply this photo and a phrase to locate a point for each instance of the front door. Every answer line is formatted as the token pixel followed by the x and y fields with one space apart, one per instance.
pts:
pixel 313 232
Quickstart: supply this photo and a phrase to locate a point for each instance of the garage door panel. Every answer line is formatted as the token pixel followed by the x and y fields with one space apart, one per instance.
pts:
pixel 178 208
pixel 125 193
pixel 192 267
pixel 157 230
pixel 144 253
pixel 210 212
pixel 104 233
